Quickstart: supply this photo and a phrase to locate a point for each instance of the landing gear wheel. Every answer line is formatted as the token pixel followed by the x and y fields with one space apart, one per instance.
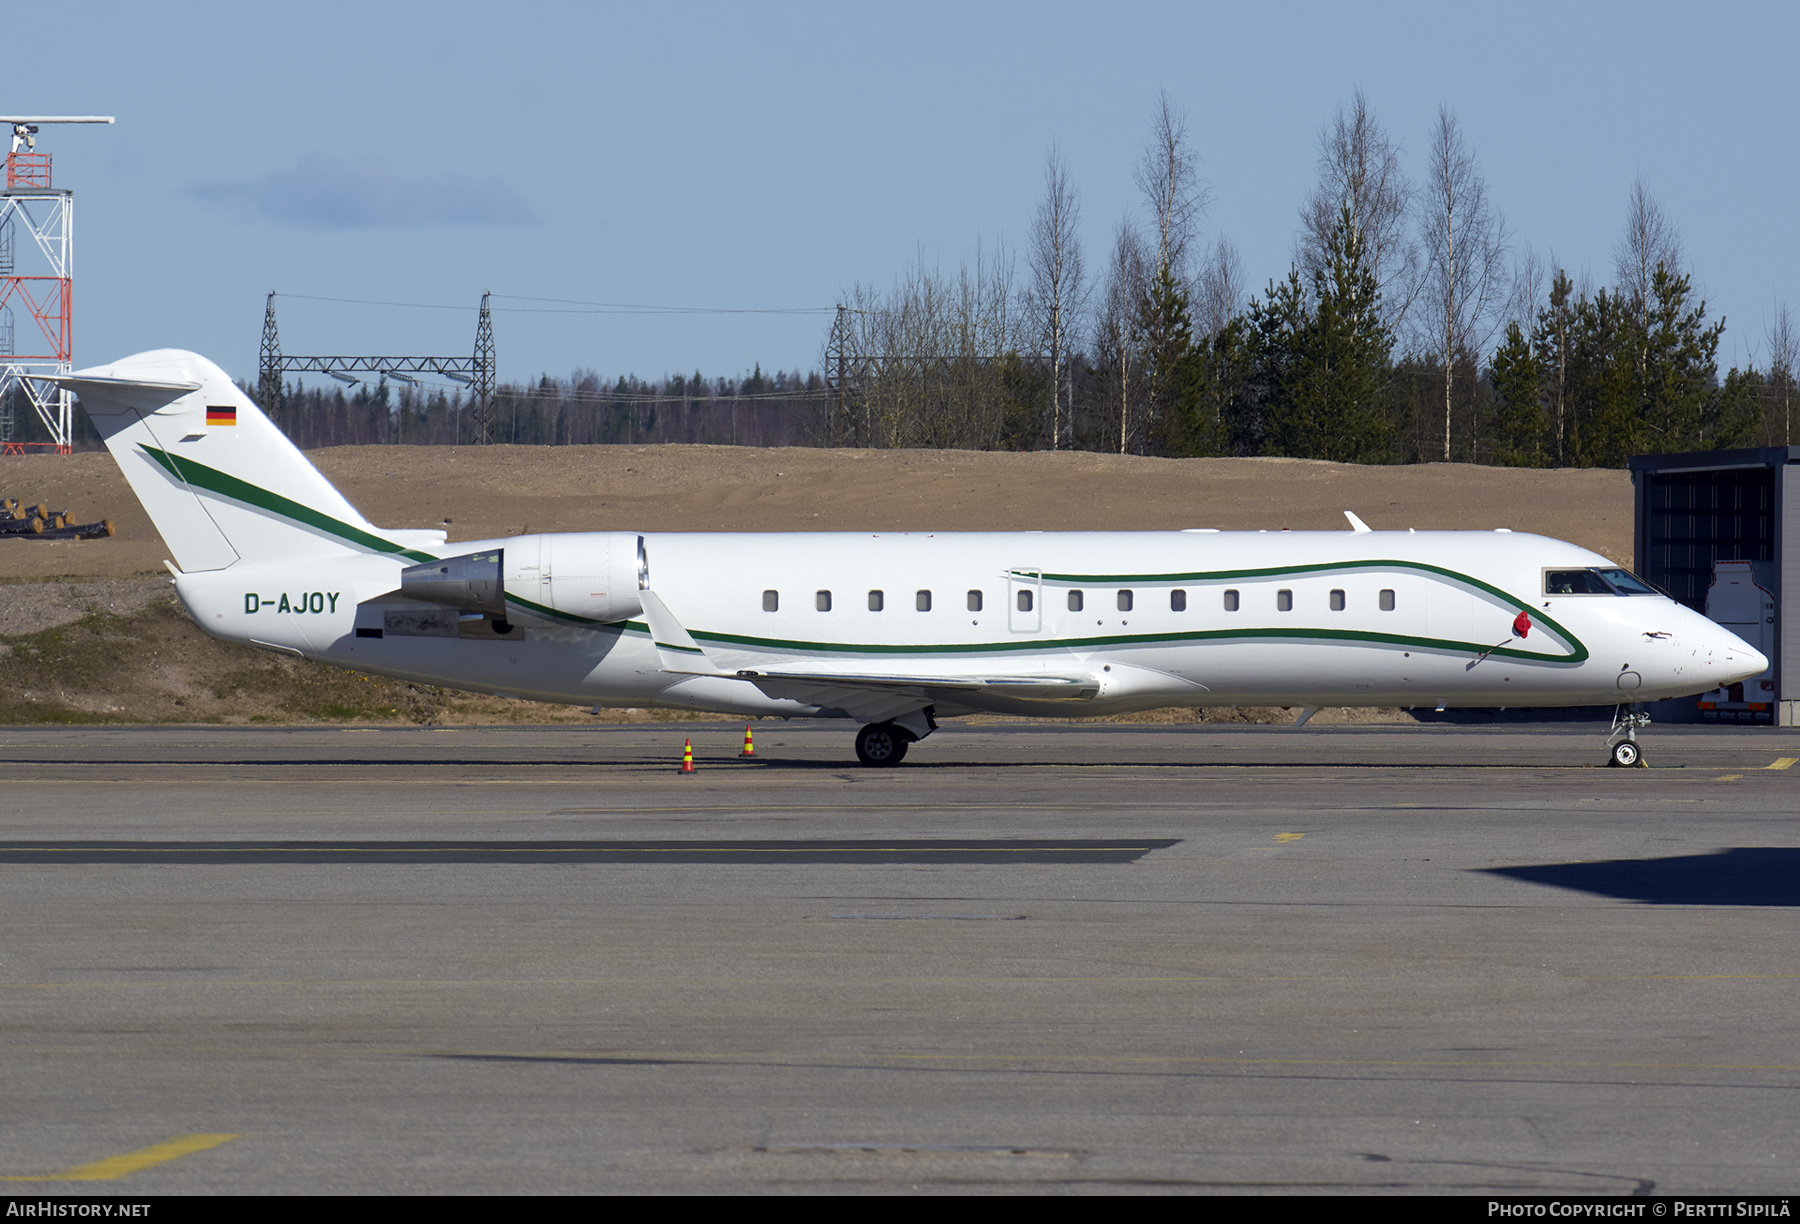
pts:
pixel 882 743
pixel 1621 746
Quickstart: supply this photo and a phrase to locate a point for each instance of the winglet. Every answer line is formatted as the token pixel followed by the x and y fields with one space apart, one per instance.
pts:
pixel 1356 524
pixel 676 648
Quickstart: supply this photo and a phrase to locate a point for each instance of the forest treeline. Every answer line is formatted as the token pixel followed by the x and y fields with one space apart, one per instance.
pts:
pixel 782 409
pixel 1410 326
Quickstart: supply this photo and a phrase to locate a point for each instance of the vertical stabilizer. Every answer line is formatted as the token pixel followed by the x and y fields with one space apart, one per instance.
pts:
pixel 218 479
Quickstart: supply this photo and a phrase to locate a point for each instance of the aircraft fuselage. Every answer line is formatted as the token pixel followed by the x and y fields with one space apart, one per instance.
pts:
pixel 1188 618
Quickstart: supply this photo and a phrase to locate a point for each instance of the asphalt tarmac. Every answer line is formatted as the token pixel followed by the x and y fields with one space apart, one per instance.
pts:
pixel 1432 959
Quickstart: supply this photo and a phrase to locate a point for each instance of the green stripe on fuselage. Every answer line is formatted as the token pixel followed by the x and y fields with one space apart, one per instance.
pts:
pixel 1048 644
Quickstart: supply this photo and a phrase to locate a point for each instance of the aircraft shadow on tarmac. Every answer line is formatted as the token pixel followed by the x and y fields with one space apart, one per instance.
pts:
pixel 798 852
pixel 1744 875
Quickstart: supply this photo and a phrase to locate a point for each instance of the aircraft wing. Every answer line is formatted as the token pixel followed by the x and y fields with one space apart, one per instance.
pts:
pixel 875 697
pixel 869 696
pixel 1036 687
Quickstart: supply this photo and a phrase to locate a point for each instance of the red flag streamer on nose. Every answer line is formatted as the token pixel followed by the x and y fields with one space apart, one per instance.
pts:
pixel 1521 627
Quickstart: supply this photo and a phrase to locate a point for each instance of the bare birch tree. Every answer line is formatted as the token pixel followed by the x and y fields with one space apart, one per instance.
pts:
pixel 1118 330
pixel 1465 257
pixel 1219 290
pixel 1650 242
pixel 1168 177
pixel 1359 173
pixel 931 353
pixel 1058 287
pixel 1527 289
pixel 1784 358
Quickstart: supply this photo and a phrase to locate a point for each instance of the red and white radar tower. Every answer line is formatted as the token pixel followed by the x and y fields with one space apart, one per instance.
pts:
pixel 37 277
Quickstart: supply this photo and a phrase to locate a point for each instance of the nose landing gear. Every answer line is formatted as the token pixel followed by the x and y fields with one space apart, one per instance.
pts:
pixel 1622 746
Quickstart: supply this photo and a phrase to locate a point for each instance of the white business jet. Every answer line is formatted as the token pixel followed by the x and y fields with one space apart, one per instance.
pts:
pixel 892 629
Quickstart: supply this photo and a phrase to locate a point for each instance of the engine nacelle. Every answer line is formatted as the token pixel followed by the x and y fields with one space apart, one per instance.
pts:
pixel 474 582
pixel 560 578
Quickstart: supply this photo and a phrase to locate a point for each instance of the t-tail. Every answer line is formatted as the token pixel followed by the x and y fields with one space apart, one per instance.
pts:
pixel 219 480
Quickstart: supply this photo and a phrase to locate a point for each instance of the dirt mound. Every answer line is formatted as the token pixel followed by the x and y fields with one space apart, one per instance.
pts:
pixel 483 493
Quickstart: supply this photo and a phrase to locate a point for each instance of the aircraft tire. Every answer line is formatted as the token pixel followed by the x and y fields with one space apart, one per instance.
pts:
pixel 882 743
pixel 1626 755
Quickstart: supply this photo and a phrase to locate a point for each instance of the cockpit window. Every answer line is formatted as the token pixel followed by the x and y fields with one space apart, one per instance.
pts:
pixel 1574 582
pixel 1627 583
pixel 1595 582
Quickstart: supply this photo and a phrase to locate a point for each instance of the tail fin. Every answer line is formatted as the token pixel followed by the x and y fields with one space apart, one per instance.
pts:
pixel 218 479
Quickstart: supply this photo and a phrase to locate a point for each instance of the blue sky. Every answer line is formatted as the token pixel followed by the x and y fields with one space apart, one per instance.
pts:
pixel 764 157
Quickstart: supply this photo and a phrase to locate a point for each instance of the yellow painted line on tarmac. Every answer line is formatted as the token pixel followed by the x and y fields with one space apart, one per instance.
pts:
pixel 1728 777
pixel 1288 837
pixel 130 1162
pixel 1782 763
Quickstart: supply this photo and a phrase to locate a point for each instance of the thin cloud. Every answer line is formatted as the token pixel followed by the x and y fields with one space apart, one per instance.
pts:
pixel 325 192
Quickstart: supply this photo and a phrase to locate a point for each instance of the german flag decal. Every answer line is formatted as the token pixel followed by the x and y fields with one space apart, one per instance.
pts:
pixel 221 416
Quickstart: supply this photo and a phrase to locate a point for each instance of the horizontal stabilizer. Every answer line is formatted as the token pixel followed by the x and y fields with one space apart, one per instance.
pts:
pixel 89 384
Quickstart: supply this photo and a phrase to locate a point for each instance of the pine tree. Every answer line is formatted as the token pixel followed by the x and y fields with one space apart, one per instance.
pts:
pixel 1551 340
pixel 1678 395
pixel 1326 361
pixel 1517 426
pixel 1279 325
pixel 1169 363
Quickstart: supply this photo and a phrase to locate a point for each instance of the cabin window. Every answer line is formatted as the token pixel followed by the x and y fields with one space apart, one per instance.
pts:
pixel 822 600
pixel 922 601
pixel 1024 601
pixel 771 601
pixel 875 601
pixel 1178 601
pixel 1231 601
pixel 974 601
pixel 1074 601
pixel 1387 601
pixel 1124 601
pixel 1337 601
pixel 1284 601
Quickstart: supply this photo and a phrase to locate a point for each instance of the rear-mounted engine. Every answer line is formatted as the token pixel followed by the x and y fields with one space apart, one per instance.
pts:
pixel 563 578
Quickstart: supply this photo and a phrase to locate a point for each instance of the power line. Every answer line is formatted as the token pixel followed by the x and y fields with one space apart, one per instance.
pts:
pixel 570 306
pixel 367 302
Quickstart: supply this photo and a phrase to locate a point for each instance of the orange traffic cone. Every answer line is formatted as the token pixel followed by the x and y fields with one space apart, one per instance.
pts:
pixel 687 756
pixel 749 748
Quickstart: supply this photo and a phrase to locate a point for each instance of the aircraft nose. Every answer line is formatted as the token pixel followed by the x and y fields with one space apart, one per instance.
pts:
pixel 1738 658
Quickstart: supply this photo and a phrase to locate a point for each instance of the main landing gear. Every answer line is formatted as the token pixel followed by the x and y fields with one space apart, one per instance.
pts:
pixel 882 743
pixel 1622 746
pixel 885 743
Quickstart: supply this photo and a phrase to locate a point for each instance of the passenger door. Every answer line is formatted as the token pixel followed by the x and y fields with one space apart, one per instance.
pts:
pixel 1024 600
